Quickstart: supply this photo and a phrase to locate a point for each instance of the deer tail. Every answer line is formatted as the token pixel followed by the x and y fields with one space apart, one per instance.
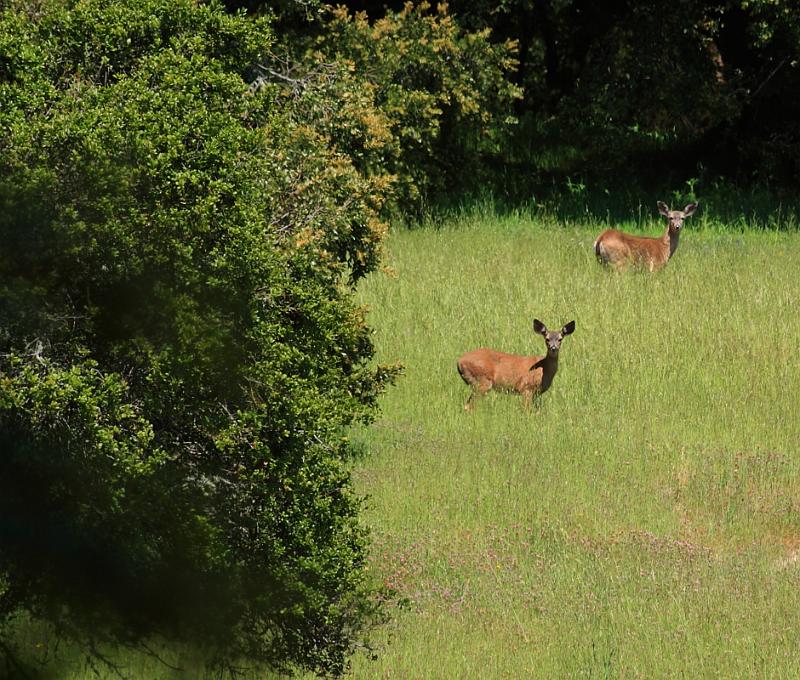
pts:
pixel 598 248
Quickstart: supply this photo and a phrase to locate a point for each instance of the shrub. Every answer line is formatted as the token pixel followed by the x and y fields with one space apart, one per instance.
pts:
pixel 424 102
pixel 180 353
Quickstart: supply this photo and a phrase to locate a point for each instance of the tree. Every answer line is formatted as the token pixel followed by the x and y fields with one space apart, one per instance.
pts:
pixel 180 353
pixel 423 107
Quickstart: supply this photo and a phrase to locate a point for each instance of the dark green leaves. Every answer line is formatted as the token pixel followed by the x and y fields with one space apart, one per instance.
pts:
pixel 180 354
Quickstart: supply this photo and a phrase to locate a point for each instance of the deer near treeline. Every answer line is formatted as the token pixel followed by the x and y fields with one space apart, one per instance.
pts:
pixel 485 369
pixel 618 249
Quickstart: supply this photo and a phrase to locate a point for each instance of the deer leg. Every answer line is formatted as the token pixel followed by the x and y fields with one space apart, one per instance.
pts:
pixel 479 388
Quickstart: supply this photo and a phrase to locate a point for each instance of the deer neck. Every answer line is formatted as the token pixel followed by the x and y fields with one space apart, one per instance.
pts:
pixel 549 366
pixel 671 239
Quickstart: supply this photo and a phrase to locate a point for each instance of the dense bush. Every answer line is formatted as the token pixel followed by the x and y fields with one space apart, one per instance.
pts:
pixel 421 102
pixel 180 354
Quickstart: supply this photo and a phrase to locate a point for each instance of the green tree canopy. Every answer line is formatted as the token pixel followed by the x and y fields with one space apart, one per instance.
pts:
pixel 180 354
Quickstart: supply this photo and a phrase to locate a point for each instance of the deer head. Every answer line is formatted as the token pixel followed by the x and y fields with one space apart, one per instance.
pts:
pixel 553 339
pixel 675 217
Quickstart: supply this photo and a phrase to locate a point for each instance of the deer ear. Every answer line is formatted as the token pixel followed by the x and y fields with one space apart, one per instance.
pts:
pixel 539 327
pixel 689 209
pixel 663 208
pixel 568 328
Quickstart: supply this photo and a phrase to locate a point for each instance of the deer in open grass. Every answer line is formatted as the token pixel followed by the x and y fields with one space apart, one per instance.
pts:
pixel 485 369
pixel 616 248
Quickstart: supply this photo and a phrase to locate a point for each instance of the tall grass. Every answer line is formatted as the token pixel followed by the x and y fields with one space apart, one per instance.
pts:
pixel 643 521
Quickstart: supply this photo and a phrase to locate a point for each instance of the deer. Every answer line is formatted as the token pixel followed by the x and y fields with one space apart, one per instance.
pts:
pixel 485 369
pixel 616 248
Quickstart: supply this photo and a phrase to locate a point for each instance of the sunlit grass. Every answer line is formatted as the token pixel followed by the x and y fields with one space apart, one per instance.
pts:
pixel 643 521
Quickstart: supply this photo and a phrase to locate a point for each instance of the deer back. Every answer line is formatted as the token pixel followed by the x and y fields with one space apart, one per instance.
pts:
pixel 617 248
pixel 508 371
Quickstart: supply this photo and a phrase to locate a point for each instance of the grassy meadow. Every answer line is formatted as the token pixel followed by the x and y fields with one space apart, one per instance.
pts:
pixel 644 520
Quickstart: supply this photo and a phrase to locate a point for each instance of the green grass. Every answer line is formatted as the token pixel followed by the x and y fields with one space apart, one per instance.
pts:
pixel 644 520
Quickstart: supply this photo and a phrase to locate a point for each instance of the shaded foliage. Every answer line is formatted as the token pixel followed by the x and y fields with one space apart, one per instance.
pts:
pixel 651 92
pixel 445 93
pixel 421 102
